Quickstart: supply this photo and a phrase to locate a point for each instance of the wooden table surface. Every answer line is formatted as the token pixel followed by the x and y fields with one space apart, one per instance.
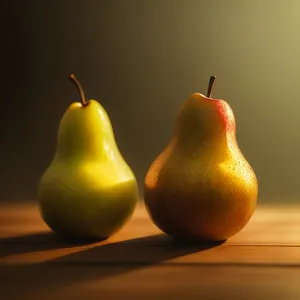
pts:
pixel 261 262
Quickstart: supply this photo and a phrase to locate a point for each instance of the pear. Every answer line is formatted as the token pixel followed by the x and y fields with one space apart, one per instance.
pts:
pixel 201 187
pixel 88 191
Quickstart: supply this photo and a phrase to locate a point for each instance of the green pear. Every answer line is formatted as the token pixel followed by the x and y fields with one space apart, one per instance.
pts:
pixel 88 191
pixel 201 187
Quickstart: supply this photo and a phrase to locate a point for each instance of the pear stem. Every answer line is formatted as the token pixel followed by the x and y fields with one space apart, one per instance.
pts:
pixel 212 80
pixel 80 89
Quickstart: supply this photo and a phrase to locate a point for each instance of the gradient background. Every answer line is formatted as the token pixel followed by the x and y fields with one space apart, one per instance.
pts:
pixel 141 60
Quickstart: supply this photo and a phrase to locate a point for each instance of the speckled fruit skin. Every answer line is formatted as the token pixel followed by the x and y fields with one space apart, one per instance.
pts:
pixel 201 187
pixel 88 191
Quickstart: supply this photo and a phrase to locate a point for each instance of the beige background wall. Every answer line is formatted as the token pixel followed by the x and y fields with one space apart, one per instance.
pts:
pixel 142 59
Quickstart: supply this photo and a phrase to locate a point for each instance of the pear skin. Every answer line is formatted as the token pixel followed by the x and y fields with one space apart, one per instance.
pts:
pixel 88 191
pixel 201 187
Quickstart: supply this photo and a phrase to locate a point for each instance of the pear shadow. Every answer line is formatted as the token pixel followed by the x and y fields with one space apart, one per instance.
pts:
pixel 98 263
pixel 147 250
pixel 37 242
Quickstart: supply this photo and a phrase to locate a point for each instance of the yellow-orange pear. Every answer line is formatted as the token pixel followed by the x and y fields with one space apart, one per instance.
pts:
pixel 201 187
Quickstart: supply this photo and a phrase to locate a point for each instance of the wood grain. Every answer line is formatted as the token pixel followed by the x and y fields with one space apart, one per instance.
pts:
pixel 140 262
